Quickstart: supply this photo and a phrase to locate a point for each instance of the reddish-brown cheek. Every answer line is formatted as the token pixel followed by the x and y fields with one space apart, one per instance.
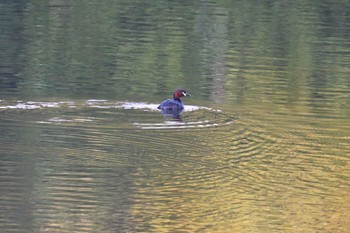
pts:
pixel 178 95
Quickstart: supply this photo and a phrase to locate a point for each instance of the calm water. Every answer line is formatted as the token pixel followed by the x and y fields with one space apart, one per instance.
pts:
pixel 262 146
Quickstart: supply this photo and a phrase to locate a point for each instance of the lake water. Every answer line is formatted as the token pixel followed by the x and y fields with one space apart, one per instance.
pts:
pixel 262 146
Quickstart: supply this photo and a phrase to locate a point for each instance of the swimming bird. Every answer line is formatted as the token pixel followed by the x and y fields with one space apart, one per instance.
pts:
pixel 174 106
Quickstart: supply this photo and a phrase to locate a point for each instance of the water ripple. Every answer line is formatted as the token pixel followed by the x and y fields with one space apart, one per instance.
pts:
pixel 149 167
pixel 203 117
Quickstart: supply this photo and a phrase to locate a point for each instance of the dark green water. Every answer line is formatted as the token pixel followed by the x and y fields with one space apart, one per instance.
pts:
pixel 262 146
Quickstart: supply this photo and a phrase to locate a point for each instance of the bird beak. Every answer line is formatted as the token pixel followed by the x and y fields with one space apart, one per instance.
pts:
pixel 185 94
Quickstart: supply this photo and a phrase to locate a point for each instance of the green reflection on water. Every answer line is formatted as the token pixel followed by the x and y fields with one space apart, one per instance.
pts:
pixel 279 68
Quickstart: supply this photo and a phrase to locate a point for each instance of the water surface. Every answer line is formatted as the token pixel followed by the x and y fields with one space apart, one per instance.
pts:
pixel 262 146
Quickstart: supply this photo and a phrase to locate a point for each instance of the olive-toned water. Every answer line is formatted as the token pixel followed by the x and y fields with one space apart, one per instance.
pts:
pixel 262 146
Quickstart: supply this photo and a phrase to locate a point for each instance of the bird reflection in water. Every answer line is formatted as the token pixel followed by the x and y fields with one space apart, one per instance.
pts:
pixel 172 113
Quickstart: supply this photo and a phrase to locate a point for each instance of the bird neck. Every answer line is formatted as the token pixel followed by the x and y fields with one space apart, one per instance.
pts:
pixel 177 99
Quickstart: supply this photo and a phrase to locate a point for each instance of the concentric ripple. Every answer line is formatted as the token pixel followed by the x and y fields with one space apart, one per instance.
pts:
pixel 200 117
pixel 210 167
